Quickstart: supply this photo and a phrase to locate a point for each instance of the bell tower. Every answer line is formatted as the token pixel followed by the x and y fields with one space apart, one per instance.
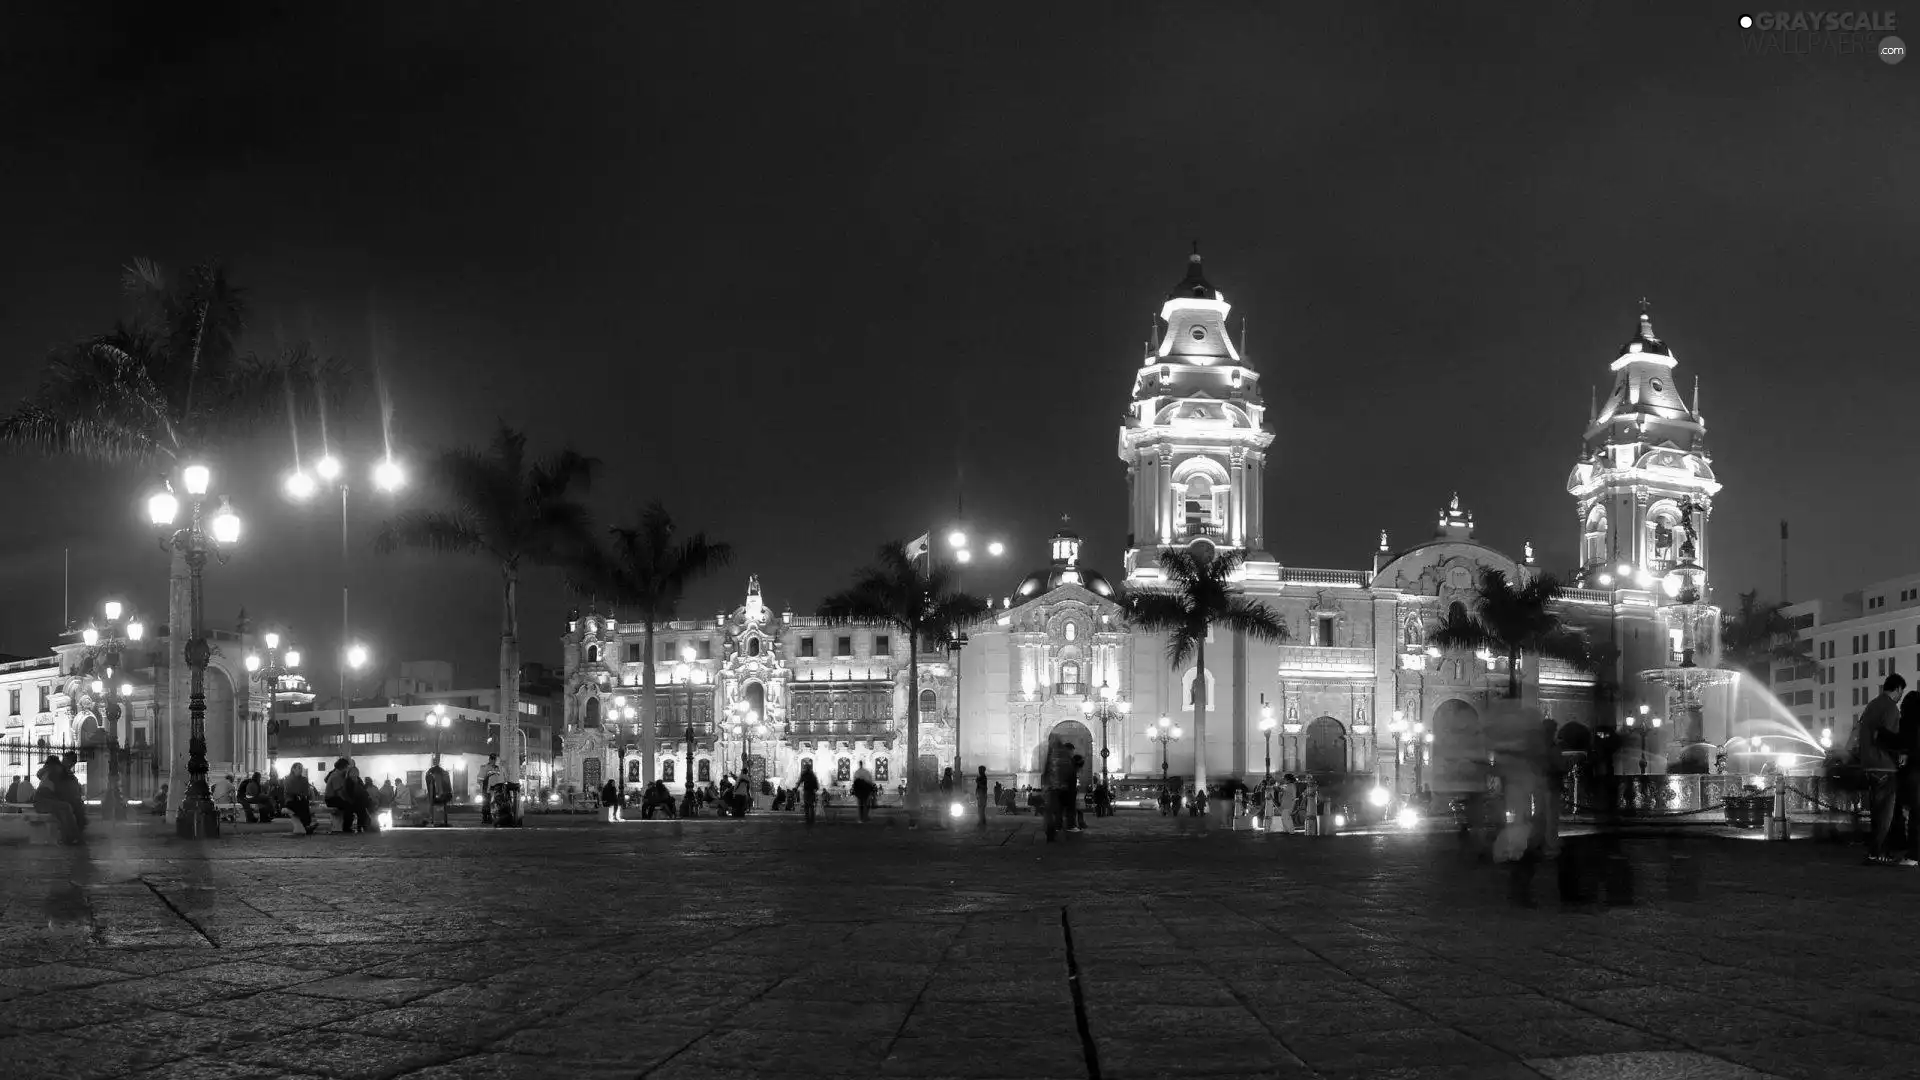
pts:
pixel 1195 436
pixel 1644 486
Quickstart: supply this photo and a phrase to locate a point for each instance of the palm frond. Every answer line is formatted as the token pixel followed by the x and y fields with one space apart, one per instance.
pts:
pixel 430 530
pixel 1461 630
pixel 1255 620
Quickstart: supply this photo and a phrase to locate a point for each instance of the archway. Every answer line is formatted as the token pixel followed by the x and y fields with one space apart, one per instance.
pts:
pixel 1326 746
pixel 1072 731
pixel 754 696
pixel 1455 723
pixel 591 716
pixel 1573 737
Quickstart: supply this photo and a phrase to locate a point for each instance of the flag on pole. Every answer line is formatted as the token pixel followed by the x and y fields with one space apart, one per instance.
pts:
pixel 918 548
pixel 1783 528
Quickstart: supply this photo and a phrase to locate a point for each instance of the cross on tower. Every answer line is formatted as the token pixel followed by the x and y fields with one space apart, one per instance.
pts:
pixel 1644 305
pixel 1065 519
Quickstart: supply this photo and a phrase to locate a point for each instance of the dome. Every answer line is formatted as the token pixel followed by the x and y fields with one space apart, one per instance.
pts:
pixel 1045 581
pixel 1194 286
pixel 1644 340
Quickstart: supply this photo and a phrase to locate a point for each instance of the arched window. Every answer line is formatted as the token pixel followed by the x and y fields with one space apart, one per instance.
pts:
pixel 929 702
pixel 1189 693
pixel 633 772
pixel 753 646
pixel 880 770
pixel 706 771
pixel 843 770
pixel 666 769
pixel 1198 505
pixel 1072 631
pixel 1593 541
pixel 591 716
pixel 1069 678
pixel 1457 611
pixel 593 654
pixel 1662 538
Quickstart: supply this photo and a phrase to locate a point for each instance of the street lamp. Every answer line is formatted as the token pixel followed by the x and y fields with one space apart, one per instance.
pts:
pixel 197 817
pixel 271 668
pixel 686 670
pixel 387 476
pixel 1106 710
pixel 439 721
pixel 1163 733
pixel 1399 729
pixel 959 543
pixel 353 659
pixel 110 700
pixel 1267 724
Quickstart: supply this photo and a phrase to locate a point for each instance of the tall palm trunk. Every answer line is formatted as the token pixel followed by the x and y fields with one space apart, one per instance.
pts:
pixel 1513 675
pixel 1200 716
pixel 912 799
pixel 649 715
pixel 510 748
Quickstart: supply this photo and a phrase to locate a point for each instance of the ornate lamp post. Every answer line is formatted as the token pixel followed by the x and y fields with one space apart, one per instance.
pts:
pixel 1646 727
pixel 197 819
pixel 439 721
pixel 108 698
pixel 1106 710
pixel 1163 733
pixel 687 803
pixel 960 544
pixel 1267 724
pixel 270 669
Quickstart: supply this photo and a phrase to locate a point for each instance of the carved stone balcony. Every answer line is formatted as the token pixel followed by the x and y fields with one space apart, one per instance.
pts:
pixel 1326 660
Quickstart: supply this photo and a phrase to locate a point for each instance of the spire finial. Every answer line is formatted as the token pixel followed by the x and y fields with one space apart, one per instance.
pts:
pixel 1383 539
pixel 1646 320
pixel 1066 519
pixel 1454 503
pixel 1195 257
pixel 1696 395
pixel 1644 305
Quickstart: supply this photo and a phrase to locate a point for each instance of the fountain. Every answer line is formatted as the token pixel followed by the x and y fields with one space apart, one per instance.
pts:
pixel 1693 626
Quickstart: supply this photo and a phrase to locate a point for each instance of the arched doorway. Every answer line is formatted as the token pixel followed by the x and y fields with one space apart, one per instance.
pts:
pixel 1072 731
pixel 1326 746
pixel 1455 724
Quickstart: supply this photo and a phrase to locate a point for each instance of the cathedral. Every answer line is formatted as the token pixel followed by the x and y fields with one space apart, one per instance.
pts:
pixel 1354 694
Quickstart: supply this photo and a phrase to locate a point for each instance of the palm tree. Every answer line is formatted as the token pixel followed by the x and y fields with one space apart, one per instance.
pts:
pixel 1200 596
pixel 646 569
pixel 162 389
pixel 925 604
pixel 1514 622
pixel 1758 634
pixel 517 513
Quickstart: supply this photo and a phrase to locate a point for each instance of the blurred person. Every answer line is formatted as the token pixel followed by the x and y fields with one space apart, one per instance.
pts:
pixel 1880 757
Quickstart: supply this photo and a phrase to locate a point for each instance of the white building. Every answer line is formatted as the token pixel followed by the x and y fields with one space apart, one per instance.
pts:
pixel 1196 444
pixel 1855 642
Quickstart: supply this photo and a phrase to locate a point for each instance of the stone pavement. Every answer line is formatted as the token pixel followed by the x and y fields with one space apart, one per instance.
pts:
pixel 580 950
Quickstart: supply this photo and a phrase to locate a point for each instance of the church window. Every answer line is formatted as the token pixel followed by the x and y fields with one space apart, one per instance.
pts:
pixel 1199 505
pixel 1199 333
pixel 880 770
pixel 843 646
pixel 706 771
pixel 633 652
pixel 593 654
pixel 753 646
pixel 1593 541
pixel 882 645
pixel 706 649
pixel 929 701
pixel 843 770
pixel 633 772
pixel 1072 631
pixel 806 647
pixel 666 769
pixel 1069 678
pixel 592 717
pixel 1324 637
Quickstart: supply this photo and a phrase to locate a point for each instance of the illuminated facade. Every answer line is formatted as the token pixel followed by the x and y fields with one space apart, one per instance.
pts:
pixel 1195 444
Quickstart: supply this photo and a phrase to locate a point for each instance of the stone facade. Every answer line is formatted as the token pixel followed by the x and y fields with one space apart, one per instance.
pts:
pixel 1056 656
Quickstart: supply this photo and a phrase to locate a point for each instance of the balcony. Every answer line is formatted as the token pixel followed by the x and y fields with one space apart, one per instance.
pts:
pixel 1326 660
pixel 1345 579
pixel 1070 689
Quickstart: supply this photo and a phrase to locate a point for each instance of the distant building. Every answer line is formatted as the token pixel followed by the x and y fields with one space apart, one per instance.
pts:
pixel 1856 641
pixel 395 742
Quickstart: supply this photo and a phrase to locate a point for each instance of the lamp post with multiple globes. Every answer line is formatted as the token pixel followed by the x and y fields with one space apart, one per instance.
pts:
pixel 198 819
pixel 439 721
pixel 1163 733
pixel 1105 709
pixel 1646 727
pixel 960 545
pixel 1267 724
pixel 108 698
pixel 685 670
pixel 387 476
pixel 275 665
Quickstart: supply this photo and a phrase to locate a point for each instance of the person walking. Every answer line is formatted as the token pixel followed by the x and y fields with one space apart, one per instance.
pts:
pixel 980 795
pixel 439 794
pixel 489 776
pixel 1058 778
pixel 338 797
pixel 809 790
pixel 1283 806
pixel 50 800
pixel 863 790
pixel 1880 757
pixel 610 800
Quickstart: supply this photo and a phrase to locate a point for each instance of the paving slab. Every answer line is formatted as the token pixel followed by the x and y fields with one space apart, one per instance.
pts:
pixel 581 949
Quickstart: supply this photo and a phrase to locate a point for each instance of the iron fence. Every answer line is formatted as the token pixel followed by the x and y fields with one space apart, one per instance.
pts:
pixel 97 765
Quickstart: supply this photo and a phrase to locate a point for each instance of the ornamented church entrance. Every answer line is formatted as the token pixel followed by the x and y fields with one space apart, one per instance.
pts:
pixel 1326 747
pixel 1072 731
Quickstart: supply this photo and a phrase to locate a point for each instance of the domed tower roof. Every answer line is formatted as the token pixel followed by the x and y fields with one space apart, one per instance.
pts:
pixel 1194 286
pixel 1644 387
pixel 1065 570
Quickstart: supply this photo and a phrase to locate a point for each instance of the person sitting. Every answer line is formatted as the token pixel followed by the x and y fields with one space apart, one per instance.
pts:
pixel 656 797
pixel 253 799
pixel 157 806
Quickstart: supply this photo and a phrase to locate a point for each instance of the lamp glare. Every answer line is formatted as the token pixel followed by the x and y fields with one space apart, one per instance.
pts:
pixel 90 636
pixel 197 478
pixel 293 657
pixel 135 631
pixel 328 467
pixel 113 610
pixel 226 524
pixel 387 475
pixel 996 549
pixel 162 507
pixel 299 485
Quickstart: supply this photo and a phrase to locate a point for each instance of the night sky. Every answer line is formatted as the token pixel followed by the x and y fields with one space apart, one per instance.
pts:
pixel 788 267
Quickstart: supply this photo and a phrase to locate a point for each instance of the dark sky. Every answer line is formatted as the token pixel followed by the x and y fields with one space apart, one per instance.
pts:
pixel 781 265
